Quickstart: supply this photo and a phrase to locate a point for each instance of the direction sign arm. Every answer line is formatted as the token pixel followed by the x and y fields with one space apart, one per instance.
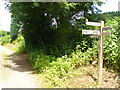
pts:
pixel 107 28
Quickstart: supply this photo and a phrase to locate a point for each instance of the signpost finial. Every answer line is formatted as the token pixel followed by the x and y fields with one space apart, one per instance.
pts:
pixel 86 20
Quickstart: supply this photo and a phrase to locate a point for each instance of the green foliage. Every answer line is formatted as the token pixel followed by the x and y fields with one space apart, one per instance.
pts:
pixel 38 30
pixel 39 61
pixel 56 68
pixel 19 44
pixel 15 26
pixel 4 37
pixel 103 16
pixel 3 33
pixel 111 45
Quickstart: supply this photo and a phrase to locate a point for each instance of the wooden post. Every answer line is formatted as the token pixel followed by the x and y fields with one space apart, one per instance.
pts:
pixel 98 33
pixel 100 63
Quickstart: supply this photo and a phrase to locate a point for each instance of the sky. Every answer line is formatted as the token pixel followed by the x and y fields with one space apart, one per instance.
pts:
pixel 111 5
pixel 5 16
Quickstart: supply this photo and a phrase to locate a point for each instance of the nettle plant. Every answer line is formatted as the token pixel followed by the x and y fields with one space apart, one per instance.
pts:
pixel 111 45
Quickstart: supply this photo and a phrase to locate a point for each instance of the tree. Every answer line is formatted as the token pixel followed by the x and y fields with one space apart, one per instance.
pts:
pixel 48 25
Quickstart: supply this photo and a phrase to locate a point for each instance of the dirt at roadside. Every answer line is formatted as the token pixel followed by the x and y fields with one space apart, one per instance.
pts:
pixel 86 77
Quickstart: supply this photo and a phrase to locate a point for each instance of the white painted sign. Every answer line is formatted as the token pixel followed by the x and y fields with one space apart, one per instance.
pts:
pixel 93 23
pixel 95 32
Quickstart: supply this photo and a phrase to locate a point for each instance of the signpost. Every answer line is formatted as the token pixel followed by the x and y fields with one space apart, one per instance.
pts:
pixel 98 34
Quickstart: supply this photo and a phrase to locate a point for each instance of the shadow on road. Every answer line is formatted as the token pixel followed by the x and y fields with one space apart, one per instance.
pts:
pixel 18 63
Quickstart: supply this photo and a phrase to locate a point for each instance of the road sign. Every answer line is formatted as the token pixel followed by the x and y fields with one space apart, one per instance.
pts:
pixel 107 28
pixel 105 33
pixel 95 32
pixel 93 23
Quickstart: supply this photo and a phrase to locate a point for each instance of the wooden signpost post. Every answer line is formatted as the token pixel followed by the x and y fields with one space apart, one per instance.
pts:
pixel 98 34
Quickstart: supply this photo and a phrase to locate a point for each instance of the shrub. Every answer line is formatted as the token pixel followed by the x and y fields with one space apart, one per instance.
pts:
pixel 56 69
pixel 111 45
pixel 19 44
pixel 39 61
pixel 5 39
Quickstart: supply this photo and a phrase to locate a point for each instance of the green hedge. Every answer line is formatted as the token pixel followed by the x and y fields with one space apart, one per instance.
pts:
pixel 4 37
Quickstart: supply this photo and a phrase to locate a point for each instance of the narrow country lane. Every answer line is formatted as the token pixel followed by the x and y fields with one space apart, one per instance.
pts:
pixel 15 71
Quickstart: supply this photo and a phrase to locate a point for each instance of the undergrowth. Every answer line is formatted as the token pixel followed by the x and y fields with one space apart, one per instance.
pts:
pixel 17 45
pixel 56 69
pixel 4 37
